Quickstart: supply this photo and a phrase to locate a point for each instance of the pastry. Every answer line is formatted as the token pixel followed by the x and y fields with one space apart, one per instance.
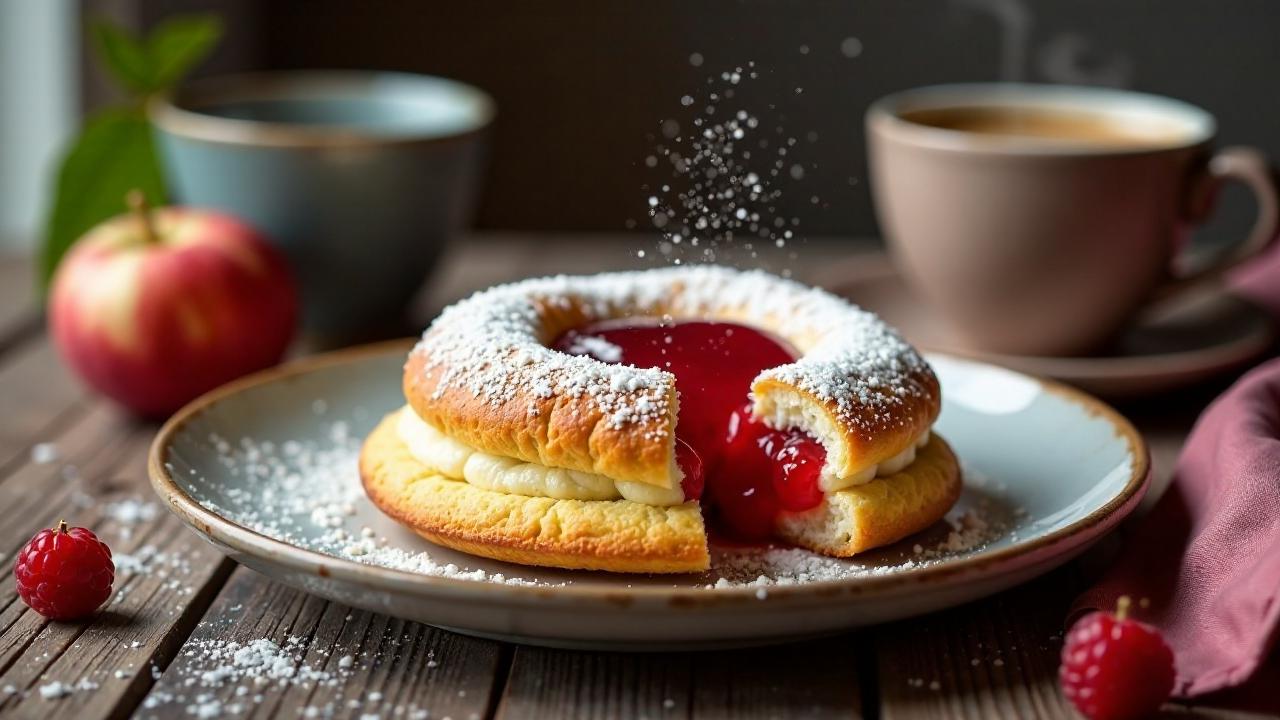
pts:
pixel 599 422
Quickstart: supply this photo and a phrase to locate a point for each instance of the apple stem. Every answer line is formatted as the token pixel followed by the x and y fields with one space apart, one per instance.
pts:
pixel 137 202
pixel 62 527
pixel 1122 607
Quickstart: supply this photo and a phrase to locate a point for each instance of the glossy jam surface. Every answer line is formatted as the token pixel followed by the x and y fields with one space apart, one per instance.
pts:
pixel 751 472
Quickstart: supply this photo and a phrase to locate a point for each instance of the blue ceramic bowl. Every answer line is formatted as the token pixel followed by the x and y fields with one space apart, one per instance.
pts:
pixel 359 177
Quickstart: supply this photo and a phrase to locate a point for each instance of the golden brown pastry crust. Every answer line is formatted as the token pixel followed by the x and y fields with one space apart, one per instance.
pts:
pixel 876 393
pixel 882 511
pixel 613 535
pixel 624 536
pixel 564 432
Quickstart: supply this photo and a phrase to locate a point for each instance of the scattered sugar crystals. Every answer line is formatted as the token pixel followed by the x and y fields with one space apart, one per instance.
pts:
pixel 55 689
pixel 59 689
pixel 131 511
pixel 722 165
pixel 969 530
pixel 44 453
pixel 260 660
pixel 217 677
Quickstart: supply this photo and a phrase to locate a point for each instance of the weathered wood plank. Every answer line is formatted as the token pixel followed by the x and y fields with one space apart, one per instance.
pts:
pixel 547 683
pixel 817 679
pixel 166 577
pixel 346 663
pixel 992 658
pixel 38 396
pixel 19 311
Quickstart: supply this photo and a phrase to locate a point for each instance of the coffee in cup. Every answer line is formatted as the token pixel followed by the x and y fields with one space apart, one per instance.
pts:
pixel 1039 219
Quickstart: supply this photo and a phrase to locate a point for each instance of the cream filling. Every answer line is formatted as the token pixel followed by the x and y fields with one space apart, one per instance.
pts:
pixel 885 468
pixel 785 408
pixel 498 473
pixel 456 460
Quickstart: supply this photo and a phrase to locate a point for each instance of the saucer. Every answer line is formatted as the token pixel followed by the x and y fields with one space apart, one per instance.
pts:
pixel 1179 345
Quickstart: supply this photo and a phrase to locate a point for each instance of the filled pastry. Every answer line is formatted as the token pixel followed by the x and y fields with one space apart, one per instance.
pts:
pixel 602 422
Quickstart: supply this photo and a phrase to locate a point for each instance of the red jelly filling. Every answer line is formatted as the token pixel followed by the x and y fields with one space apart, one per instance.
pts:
pixel 751 472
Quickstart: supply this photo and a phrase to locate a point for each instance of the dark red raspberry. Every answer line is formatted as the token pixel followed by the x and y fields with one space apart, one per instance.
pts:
pixel 1114 668
pixel 64 573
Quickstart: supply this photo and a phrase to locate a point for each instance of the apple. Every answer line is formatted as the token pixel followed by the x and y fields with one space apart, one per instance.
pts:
pixel 155 307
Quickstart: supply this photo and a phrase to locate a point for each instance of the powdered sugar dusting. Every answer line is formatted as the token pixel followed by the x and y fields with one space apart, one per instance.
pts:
pixel 596 347
pixel 306 493
pixel 491 344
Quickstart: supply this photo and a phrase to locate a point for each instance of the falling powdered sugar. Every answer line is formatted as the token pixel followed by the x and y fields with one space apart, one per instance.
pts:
pixel 721 194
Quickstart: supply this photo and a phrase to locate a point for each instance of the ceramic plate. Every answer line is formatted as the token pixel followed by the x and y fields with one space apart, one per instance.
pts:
pixel 264 469
pixel 1199 337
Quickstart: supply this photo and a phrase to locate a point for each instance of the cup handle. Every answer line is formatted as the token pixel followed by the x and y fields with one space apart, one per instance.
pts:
pixel 1240 164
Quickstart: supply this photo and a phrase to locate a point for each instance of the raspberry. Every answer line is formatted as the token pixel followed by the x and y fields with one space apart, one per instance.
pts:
pixel 1115 668
pixel 64 573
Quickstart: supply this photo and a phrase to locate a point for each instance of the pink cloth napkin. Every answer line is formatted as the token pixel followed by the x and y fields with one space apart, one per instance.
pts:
pixel 1207 557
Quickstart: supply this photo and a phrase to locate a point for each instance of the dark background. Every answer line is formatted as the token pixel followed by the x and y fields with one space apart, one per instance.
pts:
pixel 582 87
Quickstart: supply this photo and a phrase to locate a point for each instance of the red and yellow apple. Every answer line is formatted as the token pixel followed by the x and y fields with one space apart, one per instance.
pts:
pixel 155 307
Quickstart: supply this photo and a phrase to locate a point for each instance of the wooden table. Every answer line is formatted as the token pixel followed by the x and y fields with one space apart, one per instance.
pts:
pixel 993 658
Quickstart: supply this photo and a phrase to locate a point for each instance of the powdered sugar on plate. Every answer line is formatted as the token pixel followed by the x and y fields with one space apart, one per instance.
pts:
pixel 307 493
pixel 967 531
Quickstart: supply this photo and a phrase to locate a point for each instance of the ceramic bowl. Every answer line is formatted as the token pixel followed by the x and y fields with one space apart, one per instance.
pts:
pixel 360 177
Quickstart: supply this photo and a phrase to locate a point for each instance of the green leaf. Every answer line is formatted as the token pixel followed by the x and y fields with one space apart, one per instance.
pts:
pixel 178 44
pixel 167 54
pixel 114 154
pixel 125 56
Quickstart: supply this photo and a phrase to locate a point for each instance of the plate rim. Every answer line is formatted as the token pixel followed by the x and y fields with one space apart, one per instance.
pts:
pixel 224 531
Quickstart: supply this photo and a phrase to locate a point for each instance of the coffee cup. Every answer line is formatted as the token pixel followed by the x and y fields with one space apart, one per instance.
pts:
pixel 1040 219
